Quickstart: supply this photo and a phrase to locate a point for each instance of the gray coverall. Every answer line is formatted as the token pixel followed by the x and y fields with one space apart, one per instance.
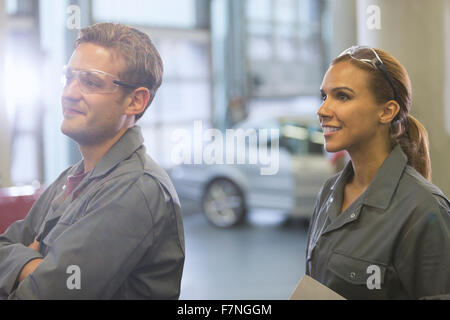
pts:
pixel 393 242
pixel 123 232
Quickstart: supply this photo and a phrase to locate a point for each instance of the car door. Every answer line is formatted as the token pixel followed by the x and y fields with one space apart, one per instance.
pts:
pixel 271 183
pixel 310 165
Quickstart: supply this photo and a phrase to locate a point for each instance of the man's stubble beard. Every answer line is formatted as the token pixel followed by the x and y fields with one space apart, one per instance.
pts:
pixel 86 137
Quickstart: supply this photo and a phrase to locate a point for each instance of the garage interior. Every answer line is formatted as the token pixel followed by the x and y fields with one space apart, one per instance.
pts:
pixel 227 62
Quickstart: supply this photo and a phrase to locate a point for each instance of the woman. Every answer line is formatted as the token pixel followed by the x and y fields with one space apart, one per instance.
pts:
pixel 380 229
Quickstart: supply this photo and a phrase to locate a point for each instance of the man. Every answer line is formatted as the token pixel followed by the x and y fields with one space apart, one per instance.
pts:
pixel 109 227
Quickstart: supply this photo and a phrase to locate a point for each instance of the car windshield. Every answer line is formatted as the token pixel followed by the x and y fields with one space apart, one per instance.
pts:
pixel 296 136
pixel 301 139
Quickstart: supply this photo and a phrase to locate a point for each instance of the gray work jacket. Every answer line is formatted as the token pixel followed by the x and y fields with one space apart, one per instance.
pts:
pixel 121 238
pixel 393 242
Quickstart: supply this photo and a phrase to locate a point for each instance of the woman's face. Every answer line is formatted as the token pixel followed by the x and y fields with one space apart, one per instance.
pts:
pixel 349 114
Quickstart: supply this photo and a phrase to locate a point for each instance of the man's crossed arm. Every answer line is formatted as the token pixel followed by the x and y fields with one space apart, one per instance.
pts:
pixel 30 266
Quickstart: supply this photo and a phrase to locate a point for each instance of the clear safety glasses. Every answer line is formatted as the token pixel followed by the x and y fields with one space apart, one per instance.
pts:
pixel 368 55
pixel 93 81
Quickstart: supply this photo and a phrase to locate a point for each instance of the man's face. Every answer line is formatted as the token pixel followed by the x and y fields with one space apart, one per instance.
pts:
pixel 92 118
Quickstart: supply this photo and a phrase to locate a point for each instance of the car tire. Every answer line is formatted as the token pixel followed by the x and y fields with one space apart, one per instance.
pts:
pixel 223 203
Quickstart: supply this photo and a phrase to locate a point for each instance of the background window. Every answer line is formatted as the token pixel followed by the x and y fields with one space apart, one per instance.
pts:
pixel 185 94
pixel 167 13
pixel 284 49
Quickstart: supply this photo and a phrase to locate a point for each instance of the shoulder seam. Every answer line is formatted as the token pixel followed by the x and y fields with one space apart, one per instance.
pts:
pixel 435 194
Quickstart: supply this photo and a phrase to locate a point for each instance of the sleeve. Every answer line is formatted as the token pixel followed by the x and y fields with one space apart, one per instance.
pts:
pixel 422 260
pixel 14 253
pixel 91 257
pixel 312 222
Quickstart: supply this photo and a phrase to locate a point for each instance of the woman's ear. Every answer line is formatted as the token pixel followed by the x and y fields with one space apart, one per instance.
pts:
pixel 138 102
pixel 389 111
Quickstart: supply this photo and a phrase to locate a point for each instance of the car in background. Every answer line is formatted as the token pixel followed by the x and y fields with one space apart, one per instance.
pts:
pixel 228 191
pixel 15 202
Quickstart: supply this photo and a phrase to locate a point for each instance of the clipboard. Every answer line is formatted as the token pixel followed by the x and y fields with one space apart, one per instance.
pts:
pixel 311 289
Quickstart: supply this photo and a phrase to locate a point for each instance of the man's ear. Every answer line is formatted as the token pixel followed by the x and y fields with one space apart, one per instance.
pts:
pixel 389 111
pixel 138 101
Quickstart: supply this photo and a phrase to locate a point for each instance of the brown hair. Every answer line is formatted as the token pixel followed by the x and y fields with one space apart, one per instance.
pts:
pixel 144 66
pixel 404 129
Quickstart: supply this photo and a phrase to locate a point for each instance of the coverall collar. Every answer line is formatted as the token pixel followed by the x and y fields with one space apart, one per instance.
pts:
pixel 131 140
pixel 382 188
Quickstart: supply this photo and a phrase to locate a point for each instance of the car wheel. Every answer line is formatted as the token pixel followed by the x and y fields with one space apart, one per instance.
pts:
pixel 223 203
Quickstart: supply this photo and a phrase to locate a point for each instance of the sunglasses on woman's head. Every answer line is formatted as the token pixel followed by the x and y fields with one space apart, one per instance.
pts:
pixel 369 55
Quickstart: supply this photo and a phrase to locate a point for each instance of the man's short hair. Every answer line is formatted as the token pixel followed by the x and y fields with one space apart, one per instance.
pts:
pixel 144 66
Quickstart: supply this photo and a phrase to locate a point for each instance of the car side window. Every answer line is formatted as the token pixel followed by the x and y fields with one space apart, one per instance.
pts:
pixel 294 138
pixel 300 139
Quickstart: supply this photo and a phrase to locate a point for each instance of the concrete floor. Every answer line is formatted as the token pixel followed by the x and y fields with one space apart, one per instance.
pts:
pixel 263 258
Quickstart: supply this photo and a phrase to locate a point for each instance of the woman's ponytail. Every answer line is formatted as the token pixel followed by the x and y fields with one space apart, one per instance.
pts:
pixel 414 142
